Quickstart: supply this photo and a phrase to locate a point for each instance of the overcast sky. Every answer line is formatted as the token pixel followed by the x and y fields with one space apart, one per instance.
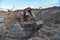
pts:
pixel 21 4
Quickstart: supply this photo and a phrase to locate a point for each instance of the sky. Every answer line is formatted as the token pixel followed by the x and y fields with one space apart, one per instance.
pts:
pixel 21 4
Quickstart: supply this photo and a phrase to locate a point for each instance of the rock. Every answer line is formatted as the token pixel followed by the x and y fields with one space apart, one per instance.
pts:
pixel 56 37
pixel 1 20
pixel 35 38
pixel 9 39
pixel 39 22
pixel 15 31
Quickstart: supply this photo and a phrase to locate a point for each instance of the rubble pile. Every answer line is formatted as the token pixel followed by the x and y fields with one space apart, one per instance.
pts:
pixel 51 26
pixel 46 29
